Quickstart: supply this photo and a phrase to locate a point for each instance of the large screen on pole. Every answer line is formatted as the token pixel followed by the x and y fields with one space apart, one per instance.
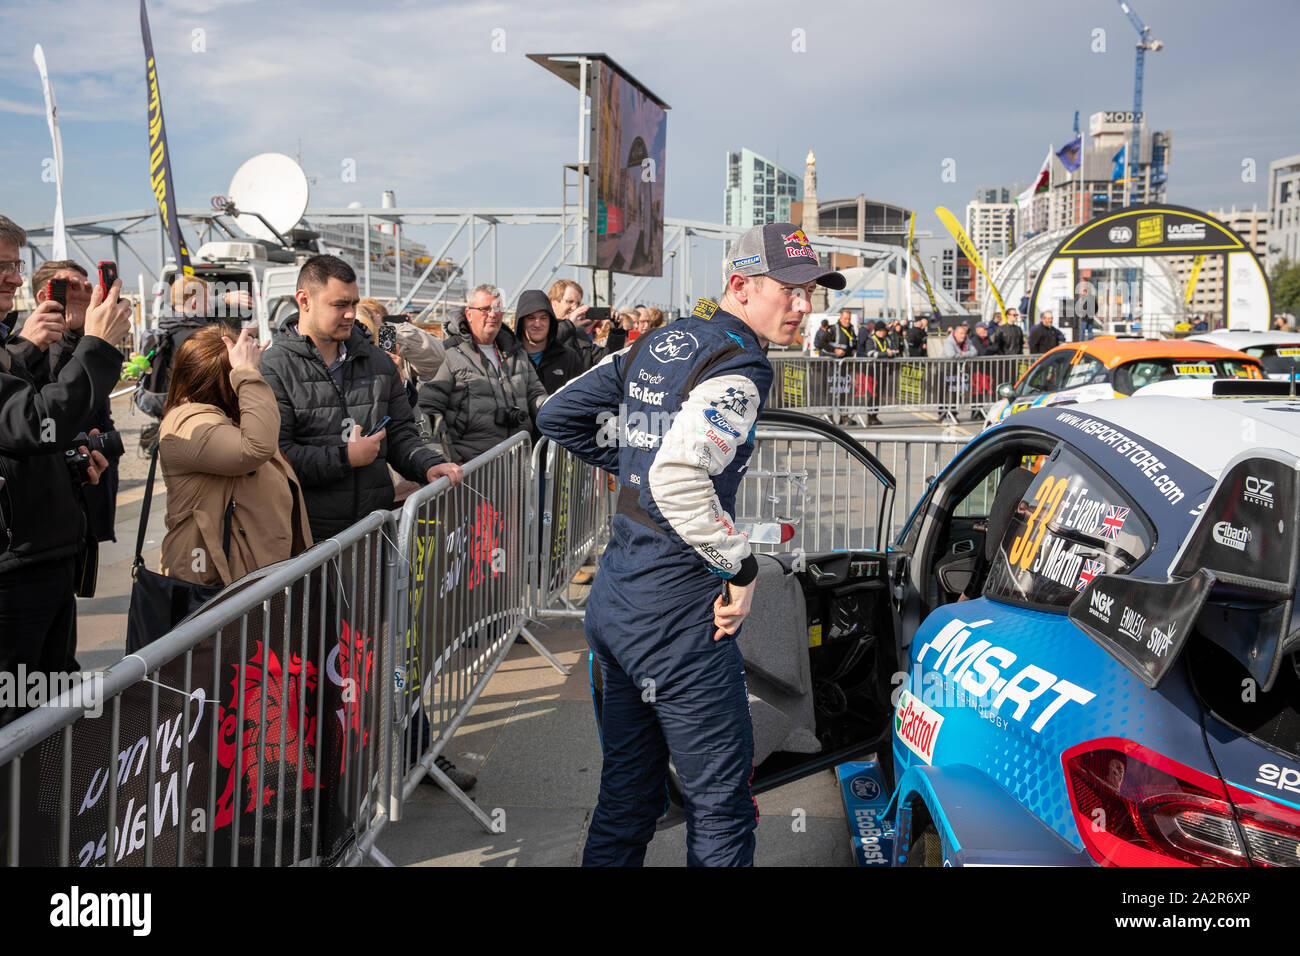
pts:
pixel 627 208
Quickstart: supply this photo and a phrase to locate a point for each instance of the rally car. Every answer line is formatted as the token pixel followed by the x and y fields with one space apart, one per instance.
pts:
pixel 1077 651
pixel 1278 351
pixel 1111 367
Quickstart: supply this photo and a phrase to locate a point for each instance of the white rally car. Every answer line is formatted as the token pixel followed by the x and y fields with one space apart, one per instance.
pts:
pixel 1278 351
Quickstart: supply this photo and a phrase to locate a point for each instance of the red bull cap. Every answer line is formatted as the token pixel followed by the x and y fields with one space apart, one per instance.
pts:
pixel 781 250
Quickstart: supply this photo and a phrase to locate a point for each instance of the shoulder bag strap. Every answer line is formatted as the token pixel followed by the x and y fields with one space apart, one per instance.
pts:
pixel 144 510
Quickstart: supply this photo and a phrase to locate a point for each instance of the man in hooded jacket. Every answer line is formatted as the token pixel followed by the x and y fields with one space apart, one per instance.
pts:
pixel 537 330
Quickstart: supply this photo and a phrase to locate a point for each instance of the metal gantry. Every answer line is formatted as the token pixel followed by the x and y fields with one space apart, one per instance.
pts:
pixel 468 236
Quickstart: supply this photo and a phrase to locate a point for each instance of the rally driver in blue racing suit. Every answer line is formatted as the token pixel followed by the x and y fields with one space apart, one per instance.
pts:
pixel 673 417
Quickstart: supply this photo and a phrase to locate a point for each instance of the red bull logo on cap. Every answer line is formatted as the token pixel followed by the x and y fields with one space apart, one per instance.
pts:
pixel 797 245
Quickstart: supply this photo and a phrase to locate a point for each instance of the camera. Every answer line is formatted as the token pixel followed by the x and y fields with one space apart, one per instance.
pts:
pixel 108 444
pixel 510 417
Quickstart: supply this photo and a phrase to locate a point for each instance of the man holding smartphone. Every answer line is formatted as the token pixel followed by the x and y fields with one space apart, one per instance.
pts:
pixel 335 387
pixel 48 357
pixel 677 579
pixel 42 527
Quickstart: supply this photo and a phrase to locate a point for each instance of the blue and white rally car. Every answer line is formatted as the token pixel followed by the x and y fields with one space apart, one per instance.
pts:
pixel 1112 678
pixel 1078 650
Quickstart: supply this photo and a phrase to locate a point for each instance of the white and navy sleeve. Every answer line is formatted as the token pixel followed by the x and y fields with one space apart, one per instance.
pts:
pixel 715 419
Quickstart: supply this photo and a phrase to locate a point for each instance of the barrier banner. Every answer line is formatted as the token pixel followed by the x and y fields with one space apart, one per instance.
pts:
pixel 290 756
pixel 911 384
pixel 794 380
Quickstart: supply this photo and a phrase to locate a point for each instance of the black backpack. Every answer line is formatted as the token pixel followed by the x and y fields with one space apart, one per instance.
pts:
pixel 151 390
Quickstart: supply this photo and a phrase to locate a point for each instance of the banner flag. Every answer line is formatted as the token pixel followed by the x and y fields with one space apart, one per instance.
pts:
pixel 160 161
pixel 60 249
pixel 968 250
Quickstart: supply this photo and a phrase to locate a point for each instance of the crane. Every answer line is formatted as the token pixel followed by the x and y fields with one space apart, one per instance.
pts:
pixel 1145 42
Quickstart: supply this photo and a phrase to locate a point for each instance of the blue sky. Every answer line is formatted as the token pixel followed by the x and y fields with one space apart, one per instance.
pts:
pixel 414 94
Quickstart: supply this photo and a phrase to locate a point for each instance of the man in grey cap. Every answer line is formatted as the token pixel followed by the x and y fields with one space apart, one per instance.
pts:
pixel 677 578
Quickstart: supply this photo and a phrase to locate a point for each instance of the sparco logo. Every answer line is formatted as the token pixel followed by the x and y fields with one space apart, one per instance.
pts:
pixel 1101 605
pixel 1280 778
pixel 715 555
pixel 917 726
pixel 1120 234
pixel 1258 491
pixel 675 347
pixel 1226 534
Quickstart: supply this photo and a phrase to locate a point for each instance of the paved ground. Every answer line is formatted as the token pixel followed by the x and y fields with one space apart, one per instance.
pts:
pixel 531 738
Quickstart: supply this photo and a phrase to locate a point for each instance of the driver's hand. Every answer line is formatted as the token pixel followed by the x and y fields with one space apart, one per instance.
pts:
pixel 729 616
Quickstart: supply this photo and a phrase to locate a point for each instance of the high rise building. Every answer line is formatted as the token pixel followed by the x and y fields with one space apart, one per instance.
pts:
pixel 1095 189
pixel 757 190
pixel 1207 295
pixel 1283 210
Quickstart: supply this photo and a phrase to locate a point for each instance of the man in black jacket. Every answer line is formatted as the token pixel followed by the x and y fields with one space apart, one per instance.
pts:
pixel 46 363
pixel 574 329
pixel 42 527
pixel 536 328
pixel 916 338
pixel 1009 336
pixel 335 388
pixel 1044 337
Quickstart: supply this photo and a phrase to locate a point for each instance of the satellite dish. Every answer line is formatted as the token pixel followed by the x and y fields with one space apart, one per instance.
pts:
pixel 273 185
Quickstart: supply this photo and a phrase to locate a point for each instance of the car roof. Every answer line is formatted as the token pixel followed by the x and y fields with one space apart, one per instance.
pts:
pixel 1241 339
pixel 1111 351
pixel 1221 431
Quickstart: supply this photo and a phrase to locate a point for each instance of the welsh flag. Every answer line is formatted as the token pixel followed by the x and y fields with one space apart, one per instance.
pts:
pixel 1040 183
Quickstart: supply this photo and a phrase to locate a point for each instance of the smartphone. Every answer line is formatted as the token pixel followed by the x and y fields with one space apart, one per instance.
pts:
pixel 386 338
pixel 397 319
pixel 598 313
pixel 56 290
pixel 107 275
pixel 378 428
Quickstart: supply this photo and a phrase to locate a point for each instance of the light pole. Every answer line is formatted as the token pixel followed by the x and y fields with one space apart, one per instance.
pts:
pixel 672 281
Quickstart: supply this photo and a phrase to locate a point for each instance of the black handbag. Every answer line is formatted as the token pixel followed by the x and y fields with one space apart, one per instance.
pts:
pixel 159 602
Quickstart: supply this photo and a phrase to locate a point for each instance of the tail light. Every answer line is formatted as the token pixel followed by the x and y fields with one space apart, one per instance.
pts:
pixel 1135 807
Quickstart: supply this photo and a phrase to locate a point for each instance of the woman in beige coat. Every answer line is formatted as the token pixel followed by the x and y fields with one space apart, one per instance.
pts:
pixel 218 446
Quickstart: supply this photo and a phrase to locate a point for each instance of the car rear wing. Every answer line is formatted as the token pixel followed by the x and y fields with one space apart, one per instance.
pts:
pixel 1245 547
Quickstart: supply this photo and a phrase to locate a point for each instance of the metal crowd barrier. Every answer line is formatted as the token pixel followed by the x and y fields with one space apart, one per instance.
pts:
pixel 466 560
pixel 253 734
pixel 862 386
pixel 576 505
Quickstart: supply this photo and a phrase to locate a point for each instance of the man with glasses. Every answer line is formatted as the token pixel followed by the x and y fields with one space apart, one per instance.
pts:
pixel 486 389
pixel 1009 335
pixel 673 417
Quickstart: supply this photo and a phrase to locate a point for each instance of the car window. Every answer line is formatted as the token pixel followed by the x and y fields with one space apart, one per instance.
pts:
pixel 1045 376
pixel 1277 359
pixel 1086 371
pixel 1131 376
pixel 1072 524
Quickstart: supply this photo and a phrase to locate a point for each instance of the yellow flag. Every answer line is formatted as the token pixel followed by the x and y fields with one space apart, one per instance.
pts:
pixel 1191 279
pixel 968 250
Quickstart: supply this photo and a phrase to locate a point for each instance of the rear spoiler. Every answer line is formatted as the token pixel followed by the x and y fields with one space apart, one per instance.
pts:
pixel 1239 387
pixel 1245 546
